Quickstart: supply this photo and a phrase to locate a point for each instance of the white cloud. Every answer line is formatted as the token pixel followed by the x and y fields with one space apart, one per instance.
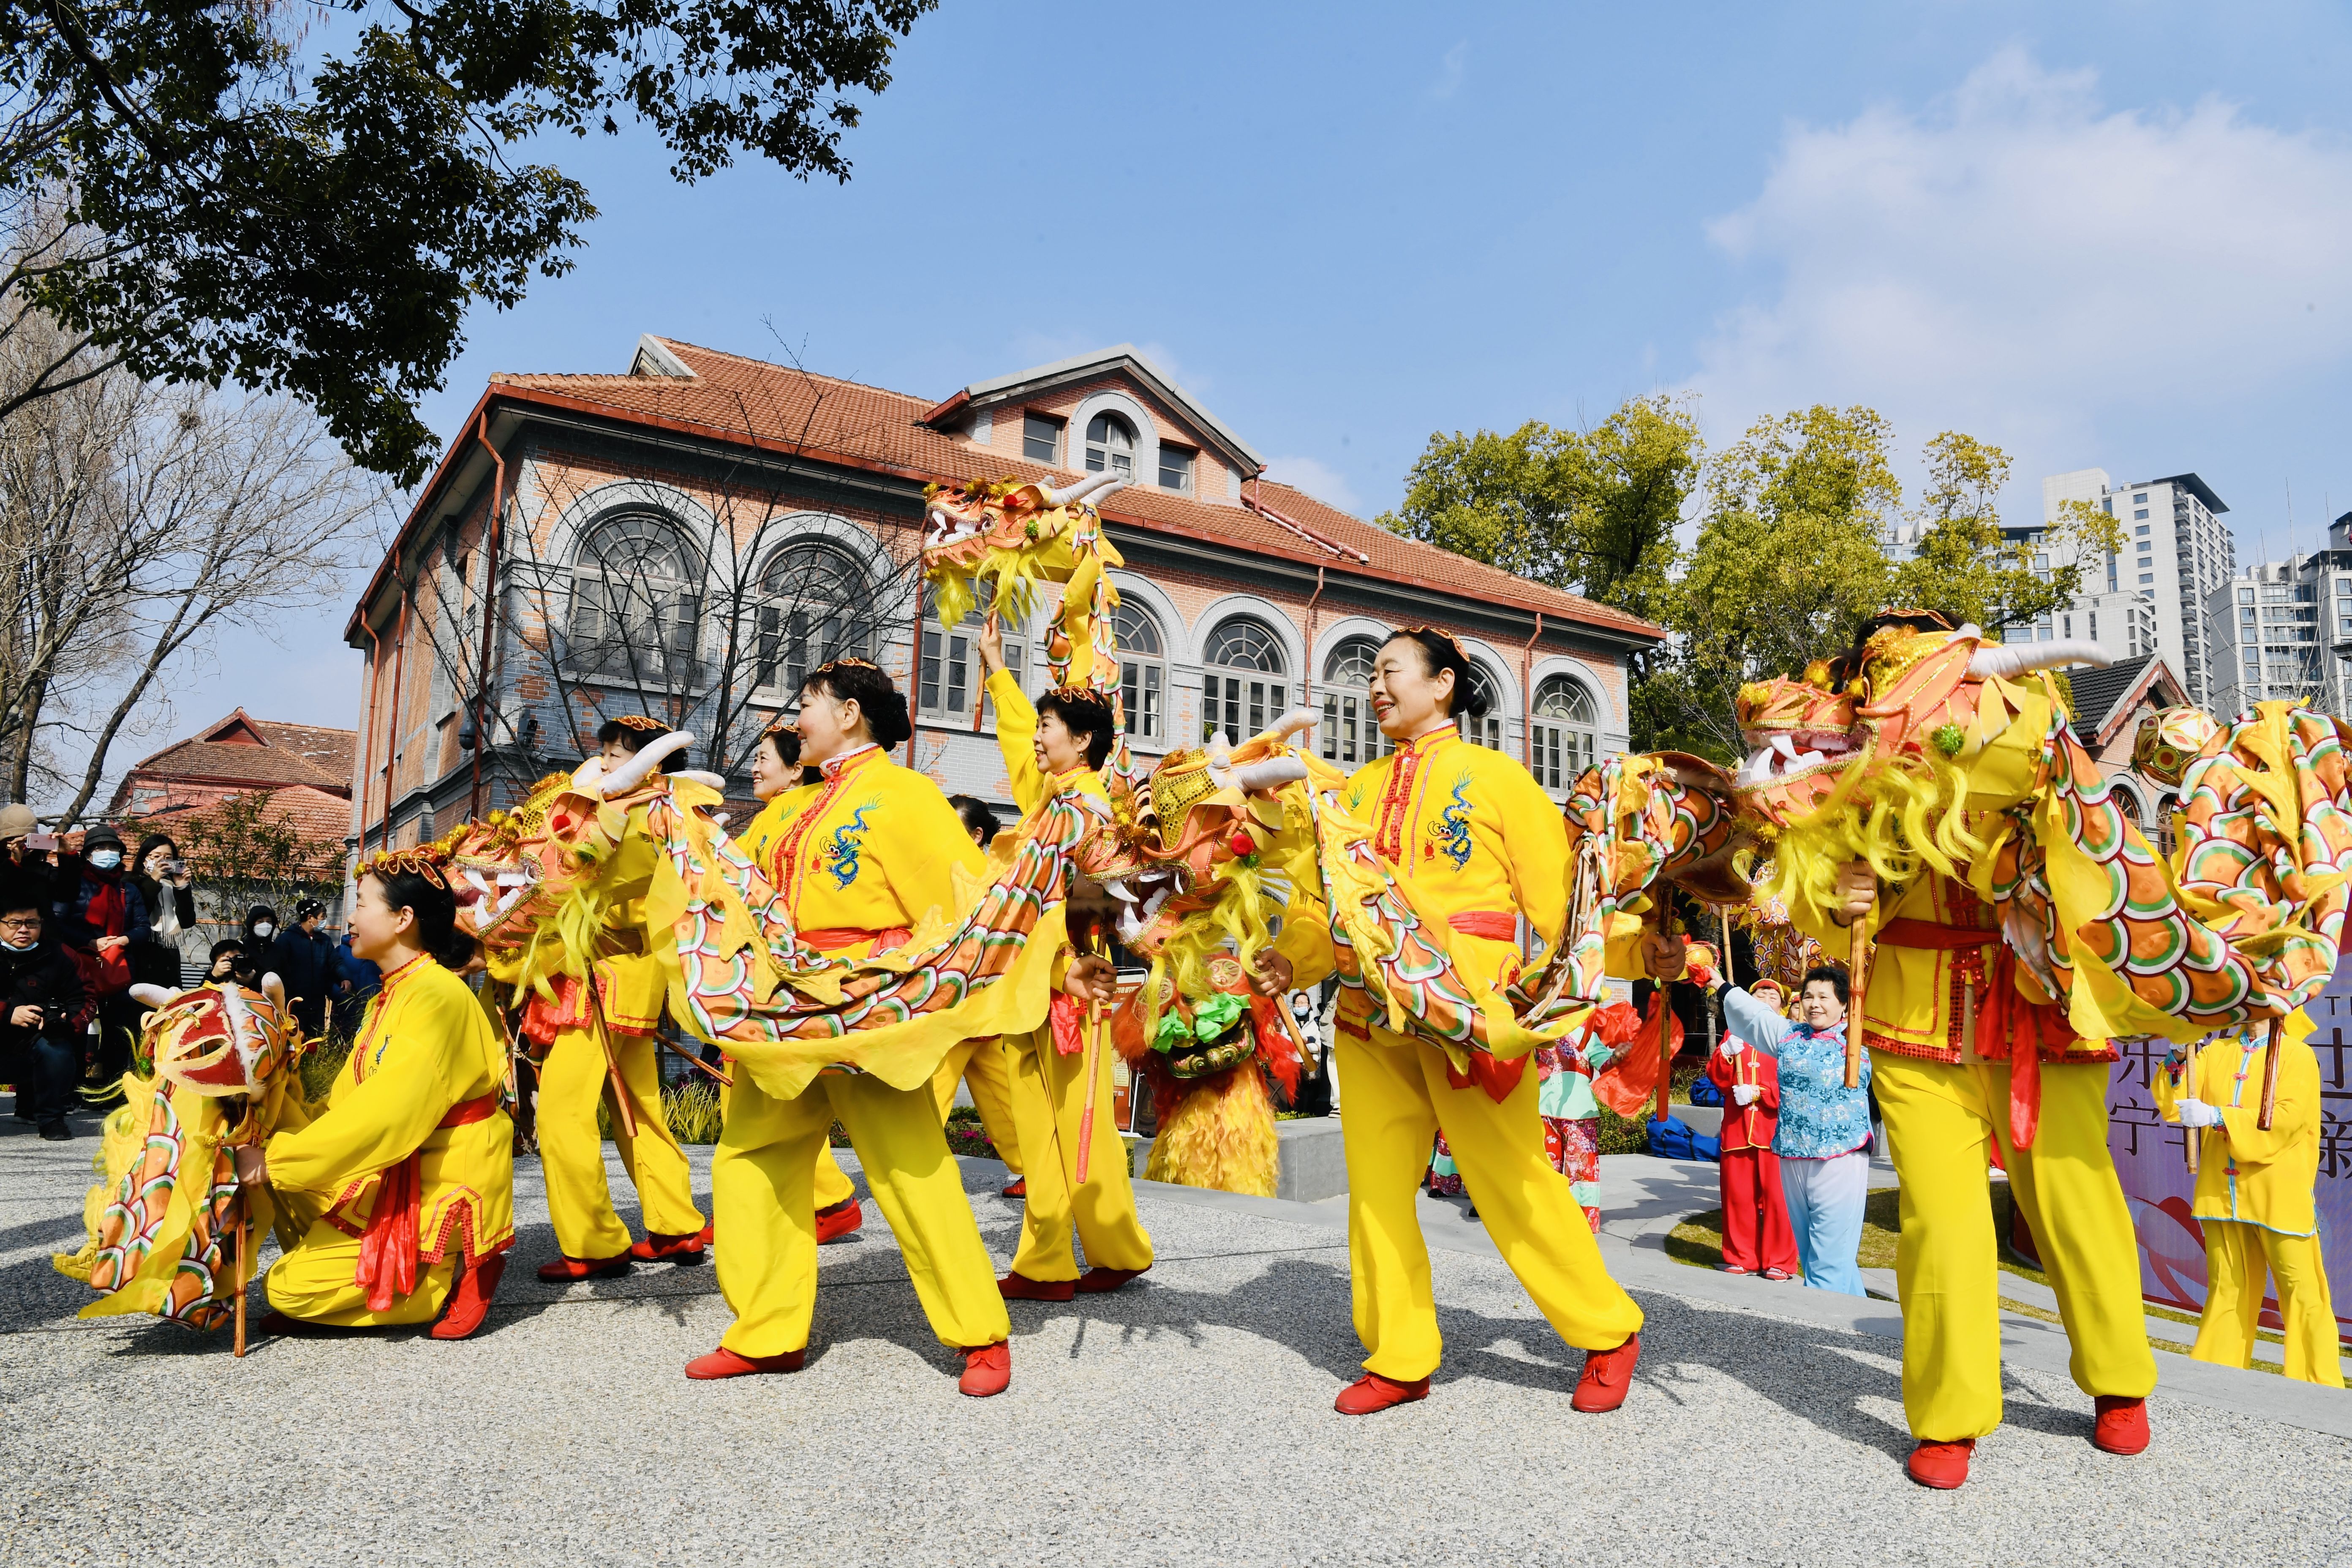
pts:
pixel 2020 260
pixel 1451 70
pixel 1317 479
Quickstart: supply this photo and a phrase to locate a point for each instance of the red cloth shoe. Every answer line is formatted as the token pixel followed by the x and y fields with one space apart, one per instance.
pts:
pixel 724 1363
pixel 1372 1391
pixel 1779 1275
pixel 469 1303
pixel 1608 1378
pixel 1020 1287
pixel 1018 1187
pixel 841 1219
pixel 277 1325
pixel 1943 1466
pixel 564 1270
pixel 987 1369
pixel 2121 1424
pixel 1099 1281
pixel 659 1249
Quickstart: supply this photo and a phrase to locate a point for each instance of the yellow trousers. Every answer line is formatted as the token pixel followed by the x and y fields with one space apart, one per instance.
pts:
pixel 832 1186
pixel 1398 1097
pixel 1049 1094
pixel 572 1082
pixel 985 1065
pixel 1940 1121
pixel 2235 1258
pixel 314 1282
pixel 762 1189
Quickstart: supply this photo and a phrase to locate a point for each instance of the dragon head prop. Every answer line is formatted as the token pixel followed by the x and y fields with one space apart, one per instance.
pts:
pixel 217 1039
pixel 1913 692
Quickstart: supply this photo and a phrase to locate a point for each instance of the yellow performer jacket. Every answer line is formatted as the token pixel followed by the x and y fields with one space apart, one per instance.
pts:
pixel 412 1116
pixel 867 850
pixel 2244 1173
pixel 1475 842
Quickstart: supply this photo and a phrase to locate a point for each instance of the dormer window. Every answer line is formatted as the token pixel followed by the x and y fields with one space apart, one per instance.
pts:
pixel 1175 469
pixel 1110 446
pixel 1041 438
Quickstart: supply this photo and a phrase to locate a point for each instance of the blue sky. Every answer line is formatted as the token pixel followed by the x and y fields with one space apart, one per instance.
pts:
pixel 2098 235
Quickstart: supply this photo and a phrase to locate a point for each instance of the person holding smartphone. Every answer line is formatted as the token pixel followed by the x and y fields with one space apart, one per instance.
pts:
pixel 41 1001
pixel 163 880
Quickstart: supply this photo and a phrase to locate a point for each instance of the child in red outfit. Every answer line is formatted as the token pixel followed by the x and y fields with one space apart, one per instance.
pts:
pixel 1757 1237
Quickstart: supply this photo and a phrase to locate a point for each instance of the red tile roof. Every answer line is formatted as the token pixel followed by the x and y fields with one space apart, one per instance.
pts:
pixel 315 814
pixel 307 754
pixel 777 408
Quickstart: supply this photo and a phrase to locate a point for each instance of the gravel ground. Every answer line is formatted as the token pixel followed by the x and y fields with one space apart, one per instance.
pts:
pixel 1184 1420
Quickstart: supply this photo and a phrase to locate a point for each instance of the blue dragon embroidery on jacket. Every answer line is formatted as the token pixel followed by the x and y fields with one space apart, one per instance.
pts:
pixel 1452 830
pixel 848 844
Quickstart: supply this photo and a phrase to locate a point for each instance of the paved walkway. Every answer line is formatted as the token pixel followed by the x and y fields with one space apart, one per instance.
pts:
pixel 1185 1420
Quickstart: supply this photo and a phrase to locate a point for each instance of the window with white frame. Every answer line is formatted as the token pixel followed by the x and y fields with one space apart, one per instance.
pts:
pixel 1487 730
pixel 1242 686
pixel 636 603
pixel 1350 735
pixel 815 606
pixel 951 683
pixel 1142 672
pixel 1110 446
pixel 1564 740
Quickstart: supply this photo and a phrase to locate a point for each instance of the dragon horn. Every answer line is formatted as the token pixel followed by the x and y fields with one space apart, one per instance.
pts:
pixel 151 995
pixel 2009 659
pixel 1297 722
pixel 702 776
pixel 634 770
pixel 1254 778
pixel 275 989
pixel 1092 484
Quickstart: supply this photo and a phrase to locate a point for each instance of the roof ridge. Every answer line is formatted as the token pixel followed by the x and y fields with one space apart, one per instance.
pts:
pixel 769 365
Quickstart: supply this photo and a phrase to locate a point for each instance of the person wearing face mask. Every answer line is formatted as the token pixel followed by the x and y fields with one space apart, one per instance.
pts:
pixel 862 859
pixel 41 998
pixel 576 1076
pixel 1820 1139
pixel 1052 750
pixel 105 924
pixel 1480 846
pixel 261 928
pixel 298 955
pixel 784 788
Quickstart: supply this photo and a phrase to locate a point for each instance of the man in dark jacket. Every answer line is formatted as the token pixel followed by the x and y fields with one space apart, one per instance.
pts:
pixel 41 997
pixel 299 956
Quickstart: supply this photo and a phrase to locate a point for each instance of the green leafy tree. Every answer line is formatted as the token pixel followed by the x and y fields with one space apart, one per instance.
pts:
pixel 1967 569
pixel 200 193
pixel 1788 561
pixel 1591 511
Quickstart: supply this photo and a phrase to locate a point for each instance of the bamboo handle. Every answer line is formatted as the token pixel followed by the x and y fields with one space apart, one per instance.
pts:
pixel 1857 988
pixel 1086 1116
pixel 244 1270
pixel 2270 1073
pixel 620 1103
pixel 2190 1136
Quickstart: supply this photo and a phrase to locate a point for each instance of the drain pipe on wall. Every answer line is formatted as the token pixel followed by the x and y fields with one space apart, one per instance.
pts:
pixel 493 531
pixel 1528 695
pixel 1308 687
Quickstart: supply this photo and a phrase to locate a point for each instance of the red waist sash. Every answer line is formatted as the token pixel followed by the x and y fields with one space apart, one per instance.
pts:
pixel 834 942
pixel 2016 1027
pixel 387 1265
pixel 1495 925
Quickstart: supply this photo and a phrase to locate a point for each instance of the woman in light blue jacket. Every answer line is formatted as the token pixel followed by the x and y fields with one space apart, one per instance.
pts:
pixel 1824 1137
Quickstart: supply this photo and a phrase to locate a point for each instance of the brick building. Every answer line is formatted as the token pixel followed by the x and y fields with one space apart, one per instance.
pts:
pixel 688 538
pixel 304 769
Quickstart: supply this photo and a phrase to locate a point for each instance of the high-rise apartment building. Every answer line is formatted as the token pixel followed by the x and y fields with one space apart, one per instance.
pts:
pixel 2176 555
pixel 2283 629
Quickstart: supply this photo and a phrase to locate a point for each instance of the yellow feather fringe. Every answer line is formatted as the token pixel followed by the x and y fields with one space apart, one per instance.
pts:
pixel 1222 1137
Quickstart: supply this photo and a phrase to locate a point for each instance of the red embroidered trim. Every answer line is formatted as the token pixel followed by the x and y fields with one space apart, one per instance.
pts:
pixel 1396 798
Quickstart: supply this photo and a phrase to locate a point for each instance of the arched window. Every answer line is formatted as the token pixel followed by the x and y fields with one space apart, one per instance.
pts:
pixel 1110 446
pixel 1142 670
pixel 1487 730
pixel 951 683
pixel 1242 690
pixel 1564 743
pixel 636 603
pixel 1350 735
pixel 815 606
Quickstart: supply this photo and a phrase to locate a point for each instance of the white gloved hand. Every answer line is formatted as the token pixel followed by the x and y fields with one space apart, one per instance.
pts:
pixel 1730 1049
pixel 2197 1114
pixel 1745 1093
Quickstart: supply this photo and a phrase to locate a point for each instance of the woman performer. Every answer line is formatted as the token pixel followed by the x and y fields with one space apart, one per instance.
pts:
pixel 777 779
pixel 1050 750
pixel 1479 845
pixel 869 854
pixel 409 1170
pixel 2254 1198
pixel 577 1075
